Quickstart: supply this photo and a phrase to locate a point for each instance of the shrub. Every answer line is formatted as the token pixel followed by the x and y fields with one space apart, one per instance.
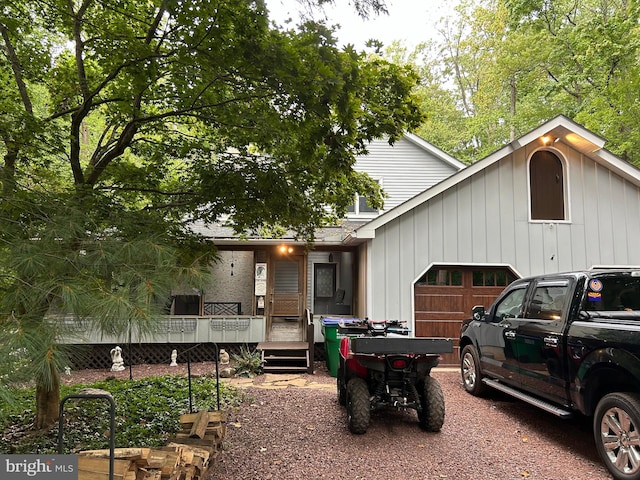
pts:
pixel 247 363
pixel 147 413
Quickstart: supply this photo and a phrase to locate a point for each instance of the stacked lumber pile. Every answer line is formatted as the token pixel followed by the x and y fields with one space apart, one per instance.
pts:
pixel 185 457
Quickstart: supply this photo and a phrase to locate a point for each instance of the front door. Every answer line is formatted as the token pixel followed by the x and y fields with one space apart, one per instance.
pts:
pixel 286 298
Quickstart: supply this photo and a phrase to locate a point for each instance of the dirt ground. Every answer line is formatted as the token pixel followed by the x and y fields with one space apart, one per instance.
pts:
pixel 291 427
pixel 298 431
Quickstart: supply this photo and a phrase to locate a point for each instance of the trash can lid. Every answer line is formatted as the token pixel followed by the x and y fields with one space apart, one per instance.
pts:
pixel 337 320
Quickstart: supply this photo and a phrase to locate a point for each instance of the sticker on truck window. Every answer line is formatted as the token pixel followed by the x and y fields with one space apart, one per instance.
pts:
pixel 594 296
pixel 595 285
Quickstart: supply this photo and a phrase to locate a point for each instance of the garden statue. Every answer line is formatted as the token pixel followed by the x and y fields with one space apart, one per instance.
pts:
pixel 174 356
pixel 116 359
pixel 224 357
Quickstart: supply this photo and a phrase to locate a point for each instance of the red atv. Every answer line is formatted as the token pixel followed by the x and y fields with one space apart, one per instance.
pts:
pixel 380 367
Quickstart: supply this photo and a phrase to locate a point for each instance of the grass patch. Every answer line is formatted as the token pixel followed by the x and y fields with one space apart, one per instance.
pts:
pixel 147 413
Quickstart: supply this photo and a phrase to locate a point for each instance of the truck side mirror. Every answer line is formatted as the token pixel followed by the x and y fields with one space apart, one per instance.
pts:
pixel 477 312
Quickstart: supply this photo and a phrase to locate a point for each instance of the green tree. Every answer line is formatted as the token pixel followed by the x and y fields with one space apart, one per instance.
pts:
pixel 587 54
pixel 124 122
pixel 513 64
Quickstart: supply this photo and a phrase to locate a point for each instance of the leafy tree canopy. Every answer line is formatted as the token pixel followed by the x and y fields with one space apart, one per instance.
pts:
pixel 125 121
pixel 511 65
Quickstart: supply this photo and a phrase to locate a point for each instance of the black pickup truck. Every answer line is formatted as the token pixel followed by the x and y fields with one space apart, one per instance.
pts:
pixel 567 343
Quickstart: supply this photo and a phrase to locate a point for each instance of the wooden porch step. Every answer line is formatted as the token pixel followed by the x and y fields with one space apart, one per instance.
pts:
pixel 279 357
pixel 289 368
pixel 283 346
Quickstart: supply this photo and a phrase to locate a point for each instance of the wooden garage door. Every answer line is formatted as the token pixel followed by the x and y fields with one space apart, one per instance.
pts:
pixel 444 297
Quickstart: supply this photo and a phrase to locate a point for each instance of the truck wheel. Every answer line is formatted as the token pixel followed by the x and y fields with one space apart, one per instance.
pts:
pixel 470 370
pixel 616 428
pixel 358 405
pixel 431 417
pixel 341 386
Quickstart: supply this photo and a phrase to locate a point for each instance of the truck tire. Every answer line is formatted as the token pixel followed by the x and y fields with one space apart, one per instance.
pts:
pixel 358 405
pixel 470 370
pixel 616 428
pixel 431 417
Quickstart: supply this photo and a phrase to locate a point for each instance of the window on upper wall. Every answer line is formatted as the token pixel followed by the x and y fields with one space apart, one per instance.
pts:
pixel 546 186
pixel 361 207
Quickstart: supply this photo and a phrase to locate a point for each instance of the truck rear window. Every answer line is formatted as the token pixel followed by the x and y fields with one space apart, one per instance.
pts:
pixel 613 293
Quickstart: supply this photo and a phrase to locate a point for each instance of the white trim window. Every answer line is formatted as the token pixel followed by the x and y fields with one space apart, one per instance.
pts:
pixel 361 208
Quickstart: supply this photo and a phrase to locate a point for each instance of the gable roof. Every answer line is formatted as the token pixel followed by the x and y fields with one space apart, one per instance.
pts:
pixel 559 128
pixel 435 151
pixel 221 234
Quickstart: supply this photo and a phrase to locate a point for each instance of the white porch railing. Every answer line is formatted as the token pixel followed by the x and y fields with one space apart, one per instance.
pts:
pixel 174 329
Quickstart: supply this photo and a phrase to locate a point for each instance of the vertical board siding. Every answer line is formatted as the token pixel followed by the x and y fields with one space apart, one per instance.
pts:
pixel 478 218
pixel 484 220
pixel 464 241
pixel 507 210
pixel 437 227
pixel 392 291
pixel 632 200
pixel 406 265
pixel 451 227
pixel 493 217
pixel 605 207
pixel 378 280
pixel 618 220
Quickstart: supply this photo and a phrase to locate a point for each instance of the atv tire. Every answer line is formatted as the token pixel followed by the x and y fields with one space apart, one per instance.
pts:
pixel 358 406
pixel 431 417
pixel 341 385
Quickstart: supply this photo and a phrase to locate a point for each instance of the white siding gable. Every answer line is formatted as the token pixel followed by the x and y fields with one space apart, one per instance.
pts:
pixel 405 169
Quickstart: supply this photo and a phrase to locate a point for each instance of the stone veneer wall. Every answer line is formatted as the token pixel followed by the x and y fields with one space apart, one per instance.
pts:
pixel 233 284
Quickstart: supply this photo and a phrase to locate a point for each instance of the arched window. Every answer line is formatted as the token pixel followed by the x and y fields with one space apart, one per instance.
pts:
pixel 546 186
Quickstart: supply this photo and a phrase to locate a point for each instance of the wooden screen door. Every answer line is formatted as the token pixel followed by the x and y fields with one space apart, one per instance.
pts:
pixel 287 290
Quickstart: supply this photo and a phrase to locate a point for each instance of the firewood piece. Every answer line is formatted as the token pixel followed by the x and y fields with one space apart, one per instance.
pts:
pixel 120 453
pixel 144 474
pixel 97 468
pixel 172 460
pixel 200 424
pixel 192 451
pixel 217 416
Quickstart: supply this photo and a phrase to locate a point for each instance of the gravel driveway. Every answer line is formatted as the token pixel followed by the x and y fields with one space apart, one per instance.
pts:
pixel 301 433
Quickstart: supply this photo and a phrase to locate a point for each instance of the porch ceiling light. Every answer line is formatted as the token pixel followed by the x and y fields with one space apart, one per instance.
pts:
pixel 549 139
pixel 285 249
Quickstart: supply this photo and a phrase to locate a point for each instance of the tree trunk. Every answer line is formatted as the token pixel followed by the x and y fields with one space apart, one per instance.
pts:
pixel 47 402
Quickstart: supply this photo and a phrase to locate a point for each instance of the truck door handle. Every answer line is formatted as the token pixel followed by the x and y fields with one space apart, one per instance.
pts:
pixel 510 334
pixel 551 341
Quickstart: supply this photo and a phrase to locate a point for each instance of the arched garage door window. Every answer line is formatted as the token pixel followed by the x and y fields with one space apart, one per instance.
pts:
pixel 546 184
